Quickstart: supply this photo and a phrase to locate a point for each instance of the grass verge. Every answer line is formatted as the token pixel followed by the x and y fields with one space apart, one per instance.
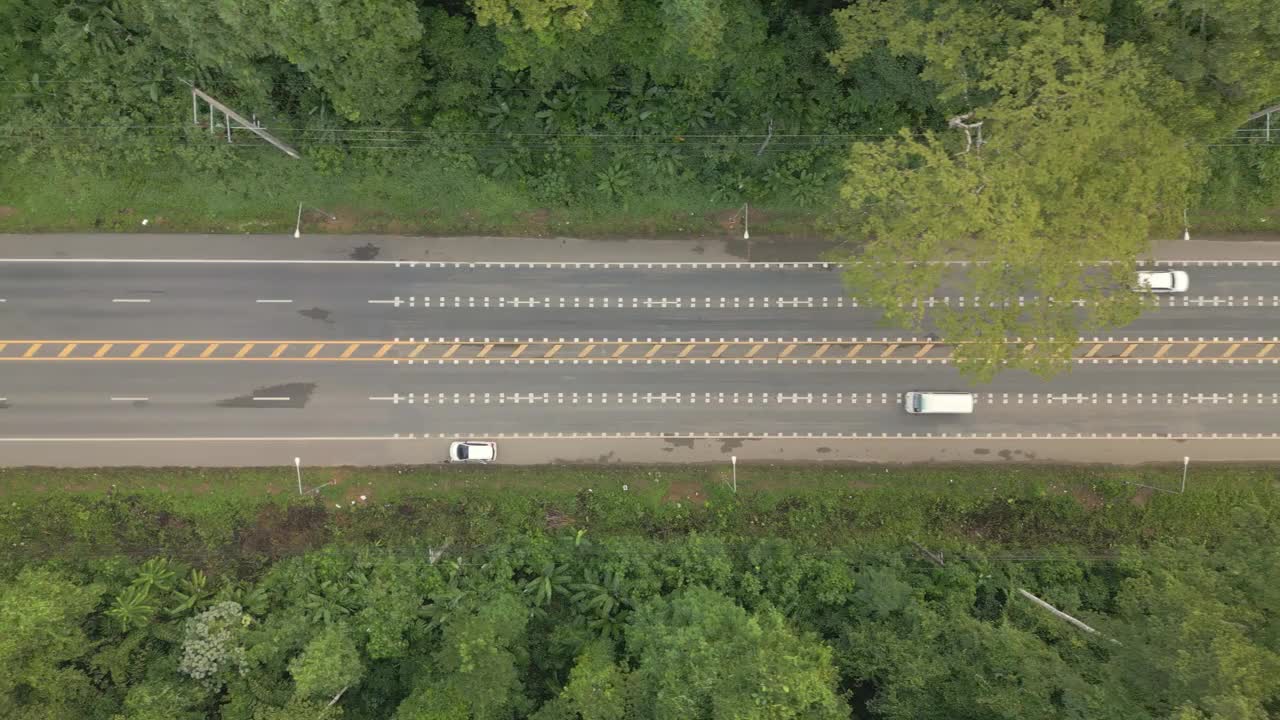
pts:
pixel 428 197
pixel 251 516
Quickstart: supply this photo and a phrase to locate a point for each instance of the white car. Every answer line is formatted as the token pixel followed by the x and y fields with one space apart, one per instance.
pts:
pixel 1163 281
pixel 473 451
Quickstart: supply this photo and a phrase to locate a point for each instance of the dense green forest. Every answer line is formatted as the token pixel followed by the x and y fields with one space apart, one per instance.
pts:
pixel 621 593
pixel 1035 133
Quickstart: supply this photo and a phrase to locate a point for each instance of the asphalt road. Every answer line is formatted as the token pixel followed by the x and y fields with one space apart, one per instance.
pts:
pixel 333 400
pixel 69 300
pixel 78 406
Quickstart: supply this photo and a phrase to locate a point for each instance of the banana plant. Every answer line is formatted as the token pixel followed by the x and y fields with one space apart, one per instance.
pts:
pixel 602 597
pixel 551 581
pixel 156 573
pixel 132 608
pixel 614 180
pixel 191 593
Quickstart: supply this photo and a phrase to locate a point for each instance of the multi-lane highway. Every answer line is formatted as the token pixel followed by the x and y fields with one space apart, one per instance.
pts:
pixel 99 353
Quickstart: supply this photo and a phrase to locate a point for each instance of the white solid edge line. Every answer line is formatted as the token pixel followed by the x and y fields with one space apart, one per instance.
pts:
pixel 129 399
pixel 692 436
pixel 273 301
pixel 272 398
pixel 200 439
pixel 717 264
pixel 130 300
pixel 487 264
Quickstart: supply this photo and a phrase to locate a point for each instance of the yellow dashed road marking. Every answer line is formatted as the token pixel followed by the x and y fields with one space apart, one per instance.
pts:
pixel 605 351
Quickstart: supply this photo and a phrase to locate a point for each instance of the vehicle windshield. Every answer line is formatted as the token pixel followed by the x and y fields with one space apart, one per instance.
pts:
pixel 462 452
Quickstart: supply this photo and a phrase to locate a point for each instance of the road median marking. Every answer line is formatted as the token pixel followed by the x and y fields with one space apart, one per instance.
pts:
pixel 482 351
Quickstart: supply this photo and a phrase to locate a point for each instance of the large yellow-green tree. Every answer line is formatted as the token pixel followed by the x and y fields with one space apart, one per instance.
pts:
pixel 1048 184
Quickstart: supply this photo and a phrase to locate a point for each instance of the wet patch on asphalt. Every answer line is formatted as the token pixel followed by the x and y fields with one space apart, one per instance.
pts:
pixel 287 395
pixel 368 251
pixel 316 313
pixel 730 444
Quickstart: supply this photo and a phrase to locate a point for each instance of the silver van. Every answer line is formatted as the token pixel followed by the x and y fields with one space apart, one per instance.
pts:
pixel 937 403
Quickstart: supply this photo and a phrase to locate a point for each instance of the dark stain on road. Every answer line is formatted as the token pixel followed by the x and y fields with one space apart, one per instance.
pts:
pixel 4 404
pixel 824 450
pixel 982 451
pixel 299 395
pixel 368 251
pixel 1006 454
pixel 779 250
pixel 679 442
pixel 730 445
pixel 316 313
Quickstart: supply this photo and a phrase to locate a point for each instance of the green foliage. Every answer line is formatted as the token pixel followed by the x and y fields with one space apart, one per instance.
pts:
pixel 328 665
pixel 361 55
pixel 1216 51
pixel 212 651
pixel 43 614
pixel 699 654
pixel 809 601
